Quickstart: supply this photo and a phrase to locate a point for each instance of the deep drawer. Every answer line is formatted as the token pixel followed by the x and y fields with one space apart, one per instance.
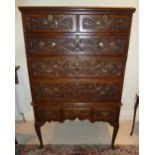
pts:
pixel 76 67
pixel 105 23
pixel 41 44
pixel 50 22
pixel 77 90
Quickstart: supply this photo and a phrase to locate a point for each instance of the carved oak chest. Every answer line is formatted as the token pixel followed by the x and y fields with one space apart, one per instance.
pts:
pixel 76 61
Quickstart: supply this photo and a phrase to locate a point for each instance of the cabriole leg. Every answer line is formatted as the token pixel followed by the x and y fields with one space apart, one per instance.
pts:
pixel 38 131
pixel 115 130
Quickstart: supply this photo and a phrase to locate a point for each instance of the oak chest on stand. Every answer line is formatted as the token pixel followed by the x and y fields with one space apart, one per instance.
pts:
pixel 76 62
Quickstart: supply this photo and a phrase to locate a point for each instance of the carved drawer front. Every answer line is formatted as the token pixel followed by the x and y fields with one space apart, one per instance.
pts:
pixel 72 113
pixel 48 114
pixel 76 66
pixel 77 44
pixel 50 22
pixel 104 114
pixel 91 23
pixel 76 90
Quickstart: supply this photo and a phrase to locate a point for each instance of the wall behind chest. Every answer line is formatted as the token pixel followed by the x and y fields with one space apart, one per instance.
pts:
pixel 131 75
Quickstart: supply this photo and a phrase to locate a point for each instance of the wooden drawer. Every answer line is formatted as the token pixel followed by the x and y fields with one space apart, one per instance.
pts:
pixel 105 114
pixel 77 90
pixel 76 67
pixel 47 113
pixel 81 113
pixel 42 44
pixel 50 22
pixel 105 23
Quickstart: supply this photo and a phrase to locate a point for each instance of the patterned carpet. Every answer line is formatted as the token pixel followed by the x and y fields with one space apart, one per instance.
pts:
pixel 77 150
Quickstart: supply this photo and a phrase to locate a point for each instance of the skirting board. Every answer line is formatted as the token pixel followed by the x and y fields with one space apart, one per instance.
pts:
pixel 124 115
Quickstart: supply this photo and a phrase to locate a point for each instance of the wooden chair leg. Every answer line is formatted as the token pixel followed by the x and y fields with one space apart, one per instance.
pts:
pixel 134 116
pixel 16 142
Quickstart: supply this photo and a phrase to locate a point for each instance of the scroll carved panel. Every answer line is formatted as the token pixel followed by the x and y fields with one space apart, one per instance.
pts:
pixel 50 22
pixel 78 90
pixel 91 45
pixel 104 23
pixel 76 67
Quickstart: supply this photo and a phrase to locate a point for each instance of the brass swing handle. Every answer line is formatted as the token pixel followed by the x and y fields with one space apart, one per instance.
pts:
pixel 105 113
pixel 50 18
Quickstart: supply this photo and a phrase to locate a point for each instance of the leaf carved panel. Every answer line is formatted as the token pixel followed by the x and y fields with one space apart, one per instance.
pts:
pixel 91 45
pixel 77 90
pixel 49 22
pixel 76 67
pixel 104 23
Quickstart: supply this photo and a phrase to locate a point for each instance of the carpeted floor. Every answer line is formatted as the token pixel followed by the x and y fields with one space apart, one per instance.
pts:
pixel 77 150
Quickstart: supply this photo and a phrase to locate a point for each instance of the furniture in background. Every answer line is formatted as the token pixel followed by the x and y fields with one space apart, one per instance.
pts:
pixel 135 110
pixel 76 62
pixel 16 75
pixel 16 82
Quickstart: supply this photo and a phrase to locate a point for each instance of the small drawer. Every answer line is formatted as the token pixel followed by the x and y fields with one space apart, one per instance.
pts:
pixel 50 22
pixel 71 113
pixel 48 114
pixel 104 114
pixel 105 23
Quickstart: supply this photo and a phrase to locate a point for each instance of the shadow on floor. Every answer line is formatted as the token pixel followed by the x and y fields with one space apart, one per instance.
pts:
pixel 136 128
pixel 24 138
pixel 81 132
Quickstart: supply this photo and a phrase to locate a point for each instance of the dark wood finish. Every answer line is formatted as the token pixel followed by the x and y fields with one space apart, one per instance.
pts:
pixel 76 61
pixel 16 82
pixel 115 130
pixel 76 67
pixel 104 23
pixel 134 115
pixel 16 142
pixel 16 75
pixel 79 44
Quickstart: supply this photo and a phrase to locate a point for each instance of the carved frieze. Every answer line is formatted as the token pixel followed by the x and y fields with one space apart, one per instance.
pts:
pixel 104 22
pixel 77 44
pixel 76 67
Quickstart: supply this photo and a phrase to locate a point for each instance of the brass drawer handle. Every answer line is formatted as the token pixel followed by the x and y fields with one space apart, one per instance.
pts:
pixel 55 66
pixel 103 92
pixel 77 39
pixel 53 44
pixel 41 44
pixel 104 18
pixel 98 22
pixel 105 113
pixel 50 17
pixel 55 89
pixel 101 44
pixel 56 23
pixel 51 114
pixel 77 83
pixel 77 61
